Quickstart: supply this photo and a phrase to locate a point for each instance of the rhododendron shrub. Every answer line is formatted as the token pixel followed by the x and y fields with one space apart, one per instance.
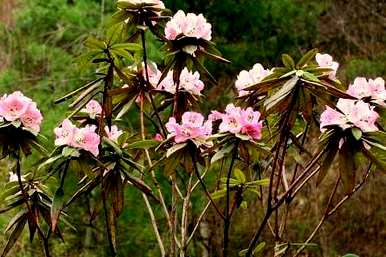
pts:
pixel 141 124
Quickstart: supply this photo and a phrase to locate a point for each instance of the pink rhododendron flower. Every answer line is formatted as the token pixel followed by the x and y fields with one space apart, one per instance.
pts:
pixel 114 133
pixel 189 81
pixel 373 89
pixel 248 78
pixel 13 106
pixel 87 139
pixel 65 133
pixel 17 107
pixel 93 108
pixel 352 114
pixel 32 118
pixel 190 25
pixel 240 121
pixel 326 61
pixel 153 73
pixel 192 126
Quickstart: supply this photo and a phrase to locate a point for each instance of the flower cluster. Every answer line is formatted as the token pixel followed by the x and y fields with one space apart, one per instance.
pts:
pixel 189 25
pixel 81 138
pixel 249 78
pixel 239 121
pixel 193 127
pixel 20 110
pixel 189 81
pixel 326 61
pixel 351 113
pixel 374 90
pixel 93 108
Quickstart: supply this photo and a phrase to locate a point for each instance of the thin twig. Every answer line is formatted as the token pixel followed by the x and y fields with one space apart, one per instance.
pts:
pixel 148 206
pixel 198 222
pixel 322 220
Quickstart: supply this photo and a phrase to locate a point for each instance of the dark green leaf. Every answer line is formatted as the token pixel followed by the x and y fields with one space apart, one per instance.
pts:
pixel 57 207
pixel 20 215
pixel 288 61
pixel 309 56
pixel 326 164
pixel 282 93
pixel 144 144
pixel 70 95
pixel 174 149
pixel 14 236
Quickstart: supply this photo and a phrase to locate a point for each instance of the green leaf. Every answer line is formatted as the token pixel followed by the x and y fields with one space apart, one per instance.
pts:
pixel 350 255
pixel 20 215
pixel 57 207
pixel 69 151
pixel 224 151
pixel 239 175
pixel 111 143
pixel 281 93
pixel 14 236
pixel 94 43
pixel 85 189
pixel 219 193
pixel 127 46
pixel 174 149
pixel 258 249
pixel 71 94
pixel 244 205
pixel 49 161
pixel 260 182
pixel 288 61
pixel 144 144
pixel 124 109
pixel 119 16
pixel 309 76
pixel 309 56
pixel 357 133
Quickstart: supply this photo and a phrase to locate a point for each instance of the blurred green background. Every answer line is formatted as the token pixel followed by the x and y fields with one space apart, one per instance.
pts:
pixel 39 40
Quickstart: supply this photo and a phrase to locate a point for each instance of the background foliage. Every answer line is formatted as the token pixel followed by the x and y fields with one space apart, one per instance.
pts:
pixel 40 39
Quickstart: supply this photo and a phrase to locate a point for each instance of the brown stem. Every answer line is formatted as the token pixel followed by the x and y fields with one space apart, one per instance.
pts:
pixel 227 220
pixel 110 237
pixel 204 186
pixel 280 201
pixel 356 188
pixel 108 82
pixel 143 39
pixel 43 238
